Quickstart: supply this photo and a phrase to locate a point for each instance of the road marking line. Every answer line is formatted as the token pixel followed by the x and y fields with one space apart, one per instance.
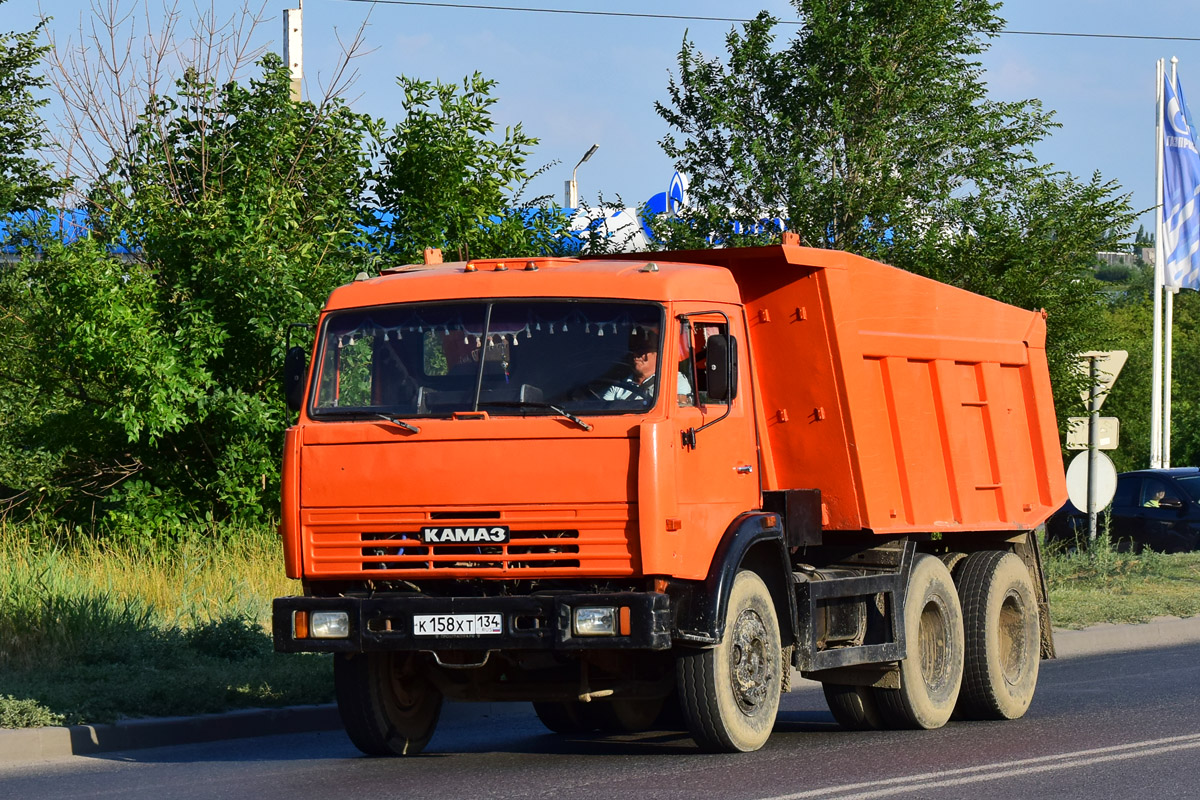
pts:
pixel 999 770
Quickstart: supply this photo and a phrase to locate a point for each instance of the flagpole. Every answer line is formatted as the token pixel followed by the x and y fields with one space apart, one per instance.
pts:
pixel 1159 257
pixel 1168 328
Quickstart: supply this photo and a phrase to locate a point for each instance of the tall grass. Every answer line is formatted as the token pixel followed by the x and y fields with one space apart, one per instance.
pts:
pixel 187 581
pixel 93 629
pixel 1096 582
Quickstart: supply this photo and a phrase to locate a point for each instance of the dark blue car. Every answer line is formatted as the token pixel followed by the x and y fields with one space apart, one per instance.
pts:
pixel 1153 509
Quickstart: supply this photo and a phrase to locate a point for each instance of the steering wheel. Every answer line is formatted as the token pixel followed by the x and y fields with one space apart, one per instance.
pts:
pixel 596 389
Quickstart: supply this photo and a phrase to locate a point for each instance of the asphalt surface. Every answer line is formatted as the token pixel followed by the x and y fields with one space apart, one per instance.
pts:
pixel 1111 725
pixel 38 744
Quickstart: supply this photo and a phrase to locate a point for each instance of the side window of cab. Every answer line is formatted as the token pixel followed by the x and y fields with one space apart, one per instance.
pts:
pixel 695 337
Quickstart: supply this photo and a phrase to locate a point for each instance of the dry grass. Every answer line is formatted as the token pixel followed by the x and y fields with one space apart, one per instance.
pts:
pixel 195 581
pixel 92 630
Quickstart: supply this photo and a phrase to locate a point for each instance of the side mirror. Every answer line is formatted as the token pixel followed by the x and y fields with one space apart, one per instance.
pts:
pixel 1171 502
pixel 722 368
pixel 295 367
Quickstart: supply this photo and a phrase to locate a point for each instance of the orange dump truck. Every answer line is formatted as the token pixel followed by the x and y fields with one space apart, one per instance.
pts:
pixel 488 494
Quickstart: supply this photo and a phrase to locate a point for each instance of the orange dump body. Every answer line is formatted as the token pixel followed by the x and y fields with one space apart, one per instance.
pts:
pixel 912 405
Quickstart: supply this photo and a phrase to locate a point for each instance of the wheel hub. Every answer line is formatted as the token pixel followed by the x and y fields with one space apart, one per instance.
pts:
pixel 751 670
pixel 1013 637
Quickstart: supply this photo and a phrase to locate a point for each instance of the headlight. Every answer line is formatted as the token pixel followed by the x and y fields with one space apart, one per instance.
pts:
pixel 329 625
pixel 595 621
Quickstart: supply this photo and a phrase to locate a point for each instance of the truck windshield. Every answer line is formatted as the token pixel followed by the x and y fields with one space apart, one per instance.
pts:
pixel 505 357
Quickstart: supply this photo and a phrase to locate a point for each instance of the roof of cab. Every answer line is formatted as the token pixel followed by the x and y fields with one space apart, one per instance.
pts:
pixel 540 277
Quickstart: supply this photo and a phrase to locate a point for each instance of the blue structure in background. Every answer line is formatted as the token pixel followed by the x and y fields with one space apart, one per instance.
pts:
pixel 627 225
pixel 67 225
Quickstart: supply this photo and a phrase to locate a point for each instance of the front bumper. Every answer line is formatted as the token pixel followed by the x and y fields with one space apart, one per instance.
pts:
pixel 534 622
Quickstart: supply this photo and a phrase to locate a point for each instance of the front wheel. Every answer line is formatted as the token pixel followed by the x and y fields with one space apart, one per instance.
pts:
pixel 388 707
pixel 931 675
pixel 730 693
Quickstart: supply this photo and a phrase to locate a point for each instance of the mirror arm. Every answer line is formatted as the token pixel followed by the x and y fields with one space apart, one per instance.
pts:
pixel 287 351
pixel 689 436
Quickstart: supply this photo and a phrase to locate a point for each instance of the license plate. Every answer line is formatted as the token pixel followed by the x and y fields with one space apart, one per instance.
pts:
pixel 457 624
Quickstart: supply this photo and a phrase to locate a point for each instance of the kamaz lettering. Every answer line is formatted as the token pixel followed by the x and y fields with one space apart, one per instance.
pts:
pixel 490 535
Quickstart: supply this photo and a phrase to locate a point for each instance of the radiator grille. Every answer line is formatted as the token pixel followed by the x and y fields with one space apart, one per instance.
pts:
pixel 384 544
pixel 533 550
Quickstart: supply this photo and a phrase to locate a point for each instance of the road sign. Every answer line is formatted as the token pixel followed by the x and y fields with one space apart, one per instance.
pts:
pixel 1103 473
pixel 1106 437
pixel 1108 367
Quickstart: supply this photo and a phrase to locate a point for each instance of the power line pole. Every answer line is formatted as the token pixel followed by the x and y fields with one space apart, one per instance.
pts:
pixel 293 47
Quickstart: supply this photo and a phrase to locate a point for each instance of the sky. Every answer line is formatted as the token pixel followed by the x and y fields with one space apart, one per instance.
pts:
pixel 574 80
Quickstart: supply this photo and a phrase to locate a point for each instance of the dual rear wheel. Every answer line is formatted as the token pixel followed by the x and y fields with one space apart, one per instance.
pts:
pixel 973 648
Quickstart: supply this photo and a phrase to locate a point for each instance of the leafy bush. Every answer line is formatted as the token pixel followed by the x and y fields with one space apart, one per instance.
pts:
pixel 232 638
pixel 1114 274
pixel 26 713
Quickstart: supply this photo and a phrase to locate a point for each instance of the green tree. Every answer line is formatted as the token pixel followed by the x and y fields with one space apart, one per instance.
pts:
pixel 152 345
pixel 1130 320
pixel 871 131
pixel 25 183
pixel 444 180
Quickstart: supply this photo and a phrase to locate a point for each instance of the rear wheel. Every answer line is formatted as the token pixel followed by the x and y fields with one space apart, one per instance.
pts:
pixel 853 707
pixel 568 717
pixel 1003 639
pixel 931 675
pixel 730 693
pixel 627 715
pixel 388 706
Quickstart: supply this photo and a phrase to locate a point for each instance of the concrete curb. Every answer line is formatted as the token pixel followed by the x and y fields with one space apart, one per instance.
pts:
pixel 1110 638
pixel 33 744
pixel 39 744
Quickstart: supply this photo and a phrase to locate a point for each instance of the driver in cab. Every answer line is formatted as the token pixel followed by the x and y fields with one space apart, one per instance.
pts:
pixel 641 382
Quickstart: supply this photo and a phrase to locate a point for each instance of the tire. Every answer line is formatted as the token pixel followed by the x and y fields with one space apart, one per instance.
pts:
pixel 1003 637
pixel 566 717
pixel 671 718
pixel 622 715
pixel 388 707
pixel 730 693
pixel 854 707
pixel 931 675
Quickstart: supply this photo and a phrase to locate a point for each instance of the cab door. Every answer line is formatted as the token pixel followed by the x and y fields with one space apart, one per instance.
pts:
pixel 717 469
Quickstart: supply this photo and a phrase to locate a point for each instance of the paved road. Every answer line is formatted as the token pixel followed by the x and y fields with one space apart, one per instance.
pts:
pixel 1117 725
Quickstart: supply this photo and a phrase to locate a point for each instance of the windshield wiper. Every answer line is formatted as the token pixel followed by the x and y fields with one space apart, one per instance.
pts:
pixel 351 413
pixel 529 404
pixel 392 418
